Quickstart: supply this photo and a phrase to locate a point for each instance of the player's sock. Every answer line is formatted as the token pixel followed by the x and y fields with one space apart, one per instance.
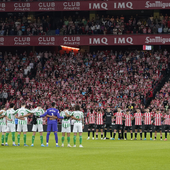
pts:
pixel 136 135
pixel 93 133
pixel 145 134
pixel 88 133
pixel 33 138
pixel 18 137
pixel 13 137
pixel 161 136
pixel 119 134
pixel 155 137
pixel 2 138
pixel 56 137
pixel 6 137
pixel 150 134
pixel 140 134
pixel 105 131
pixel 125 135
pixel 74 140
pixel 114 134
pixel 101 135
pixel 165 134
pixel 68 140
pixel 25 138
pixel 41 139
pixel 96 135
pixel 131 135
pixel 62 139
pixel 111 133
pixel 47 137
pixel 80 139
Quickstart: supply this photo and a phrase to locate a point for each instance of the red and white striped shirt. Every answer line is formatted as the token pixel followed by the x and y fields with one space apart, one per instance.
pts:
pixel 99 118
pixel 157 118
pixel 119 118
pixel 167 119
pixel 128 120
pixel 147 120
pixel 138 118
pixel 91 117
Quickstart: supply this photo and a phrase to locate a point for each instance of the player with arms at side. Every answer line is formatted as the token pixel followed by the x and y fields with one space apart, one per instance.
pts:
pixel 118 126
pixel 108 123
pixel 128 124
pixel 2 124
pixel 167 123
pixel 37 123
pixel 78 125
pixel 99 123
pixel 52 114
pixel 157 120
pixel 138 123
pixel 66 126
pixel 91 123
pixel 148 123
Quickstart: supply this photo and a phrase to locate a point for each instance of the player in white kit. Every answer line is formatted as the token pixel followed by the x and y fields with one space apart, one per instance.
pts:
pixel 66 126
pixel 22 124
pixel 37 124
pixel 2 124
pixel 78 125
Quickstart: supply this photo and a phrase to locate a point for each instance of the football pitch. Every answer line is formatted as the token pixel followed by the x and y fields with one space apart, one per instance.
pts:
pixel 95 155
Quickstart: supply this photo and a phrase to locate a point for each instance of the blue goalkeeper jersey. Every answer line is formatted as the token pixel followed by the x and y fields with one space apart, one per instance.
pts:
pixel 52 112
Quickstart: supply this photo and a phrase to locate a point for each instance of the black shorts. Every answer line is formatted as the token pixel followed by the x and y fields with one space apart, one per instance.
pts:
pixel 138 126
pixel 167 127
pixel 91 126
pixel 99 127
pixel 128 127
pixel 148 127
pixel 108 126
pixel 158 128
pixel 118 127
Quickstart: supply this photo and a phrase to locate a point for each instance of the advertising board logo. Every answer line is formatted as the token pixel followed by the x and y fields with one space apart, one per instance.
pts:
pixel 71 40
pixel 2 6
pixel 22 6
pixel 71 5
pixel 1 40
pixel 46 6
pixel 157 4
pixel 46 40
pixel 157 39
pixel 128 40
pixel 21 40
pixel 99 41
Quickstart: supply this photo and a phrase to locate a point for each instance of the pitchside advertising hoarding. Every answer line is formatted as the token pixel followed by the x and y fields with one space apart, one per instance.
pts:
pixel 83 5
pixel 161 39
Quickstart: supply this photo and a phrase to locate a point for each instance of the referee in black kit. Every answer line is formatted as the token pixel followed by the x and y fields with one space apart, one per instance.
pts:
pixel 108 122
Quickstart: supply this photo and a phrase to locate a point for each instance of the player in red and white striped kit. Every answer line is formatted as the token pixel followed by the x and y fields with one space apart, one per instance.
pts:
pixel 128 124
pixel 157 120
pixel 118 126
pixel 148 123
pixel 138 123
pixel 167 123
pixel 99 123
pixel 91 122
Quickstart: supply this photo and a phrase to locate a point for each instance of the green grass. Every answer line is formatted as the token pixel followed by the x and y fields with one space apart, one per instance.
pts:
pixel 96 155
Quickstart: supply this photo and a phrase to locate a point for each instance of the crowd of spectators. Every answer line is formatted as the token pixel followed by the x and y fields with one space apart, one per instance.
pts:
pixel 24 25
pixel 92 80
pixel 162 98
pixel 113 25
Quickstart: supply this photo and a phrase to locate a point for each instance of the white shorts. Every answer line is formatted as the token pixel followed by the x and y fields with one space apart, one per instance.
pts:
pixel 2 128
pixel 67 130
pixel 39 127
pixel 77 127
pixel 10 127
pixel 21 128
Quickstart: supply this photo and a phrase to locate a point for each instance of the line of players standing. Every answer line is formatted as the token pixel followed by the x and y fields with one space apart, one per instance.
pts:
pixel 123 122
